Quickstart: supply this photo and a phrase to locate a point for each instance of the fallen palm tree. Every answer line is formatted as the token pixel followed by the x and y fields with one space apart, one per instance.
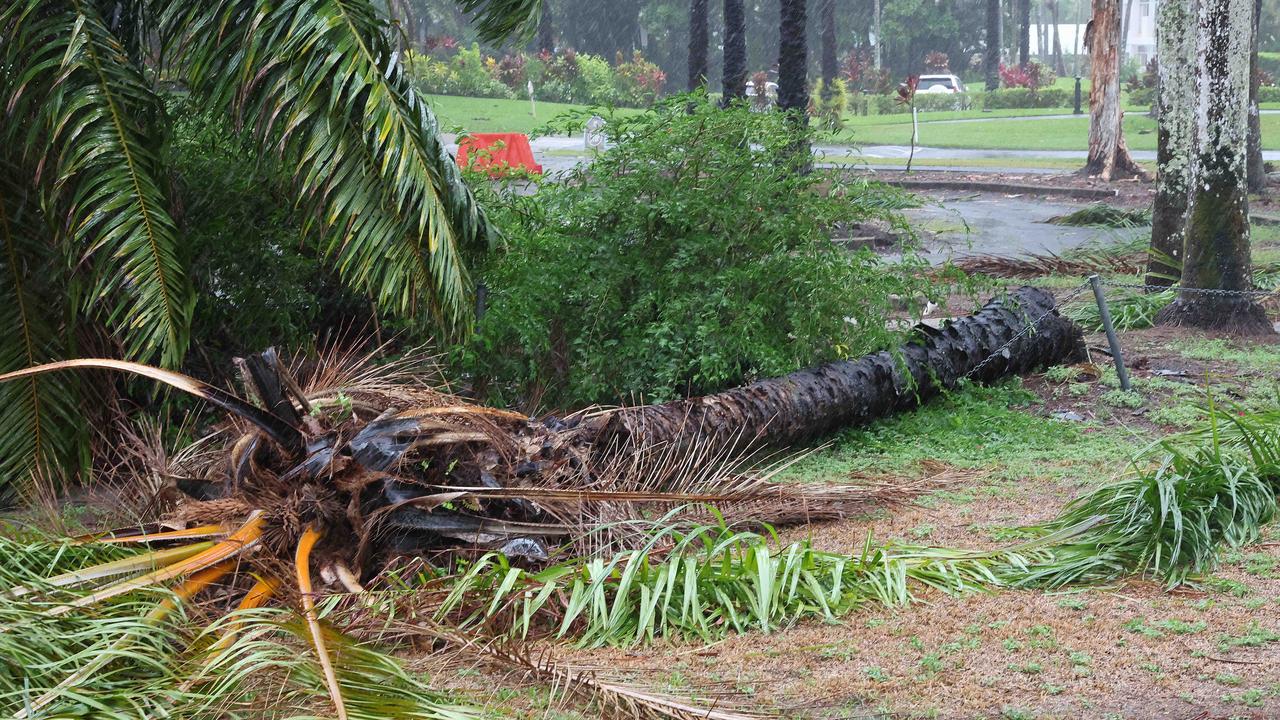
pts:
pixel 351 470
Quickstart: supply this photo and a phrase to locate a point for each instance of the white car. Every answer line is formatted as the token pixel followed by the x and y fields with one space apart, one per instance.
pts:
pixel 940 84
pixel 944 85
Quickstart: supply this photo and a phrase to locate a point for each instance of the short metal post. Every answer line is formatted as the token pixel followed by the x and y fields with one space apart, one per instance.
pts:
pixel 1112 340
pixel 1076 110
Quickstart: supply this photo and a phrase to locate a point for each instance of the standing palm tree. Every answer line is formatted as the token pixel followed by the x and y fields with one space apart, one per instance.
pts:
pixel 735 51
pixel 793 80
pixel 88 243
pixel 697 43
pixel 1023 22
pixel 991 56
pixel 830 63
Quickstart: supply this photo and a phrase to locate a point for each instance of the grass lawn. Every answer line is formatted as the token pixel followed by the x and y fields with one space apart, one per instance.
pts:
pixel 1051 134
pixel 494 115
pixel 1063 164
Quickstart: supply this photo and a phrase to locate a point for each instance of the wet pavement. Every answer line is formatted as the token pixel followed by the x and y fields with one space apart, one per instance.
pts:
pixel 999 225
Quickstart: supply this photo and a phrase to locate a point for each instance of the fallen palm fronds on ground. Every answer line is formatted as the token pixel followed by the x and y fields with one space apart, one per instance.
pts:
pixel 1104 215
pixel 1077 263
pixel 344 470
pixel 1129 310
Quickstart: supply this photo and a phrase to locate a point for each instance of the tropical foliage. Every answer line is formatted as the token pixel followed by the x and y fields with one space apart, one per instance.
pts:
pixel 687 258
pixel 93 245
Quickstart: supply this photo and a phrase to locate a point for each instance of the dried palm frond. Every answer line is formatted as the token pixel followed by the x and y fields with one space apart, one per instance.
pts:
pixel 1079 262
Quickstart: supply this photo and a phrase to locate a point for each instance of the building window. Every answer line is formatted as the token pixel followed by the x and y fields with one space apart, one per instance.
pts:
pixel 1146 7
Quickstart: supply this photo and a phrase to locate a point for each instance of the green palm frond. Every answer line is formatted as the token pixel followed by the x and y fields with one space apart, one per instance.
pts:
pixel 317 82
pixel 38 418
pixel 498 20
pixel 87 120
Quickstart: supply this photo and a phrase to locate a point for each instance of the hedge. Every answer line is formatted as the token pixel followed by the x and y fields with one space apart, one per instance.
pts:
pixel 991 100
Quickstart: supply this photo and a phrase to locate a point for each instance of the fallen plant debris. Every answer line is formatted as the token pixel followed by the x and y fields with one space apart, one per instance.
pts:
pixel 351 470
pixel 1104 215
pixel 1079 262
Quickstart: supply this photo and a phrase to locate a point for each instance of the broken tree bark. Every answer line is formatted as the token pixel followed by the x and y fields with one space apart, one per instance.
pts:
pixel 810 403
pixel 1109 157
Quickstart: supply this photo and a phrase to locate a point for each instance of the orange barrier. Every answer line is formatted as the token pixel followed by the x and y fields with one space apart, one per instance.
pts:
pixel 498 152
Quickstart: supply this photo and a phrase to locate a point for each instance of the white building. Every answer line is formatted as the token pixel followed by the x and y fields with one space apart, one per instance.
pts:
pixel 1140 44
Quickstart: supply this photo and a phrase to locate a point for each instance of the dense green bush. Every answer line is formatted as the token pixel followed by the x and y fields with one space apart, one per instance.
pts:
pixel 926 102
pixel 828 107
pixel 1269 94
pixel 690 256
pixel 258 282
pixel 467 72
pixel 1024 98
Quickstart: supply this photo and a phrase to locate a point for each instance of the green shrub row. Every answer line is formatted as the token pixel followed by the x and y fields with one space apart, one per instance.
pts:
pixel 991 100
pixel 564 76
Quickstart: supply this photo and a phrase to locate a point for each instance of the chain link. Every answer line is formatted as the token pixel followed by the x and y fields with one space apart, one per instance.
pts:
pixel 1206 291
pixel 1034 324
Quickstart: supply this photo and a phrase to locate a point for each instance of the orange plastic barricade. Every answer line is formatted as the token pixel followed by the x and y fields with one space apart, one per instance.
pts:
pixel 498 152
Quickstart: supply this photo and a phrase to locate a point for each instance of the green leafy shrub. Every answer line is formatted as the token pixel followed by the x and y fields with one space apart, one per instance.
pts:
pixel 1018 98
pixel 639 81
pixel 926 102
pixel 829 106
pixel 258 281
pixel 468 72
pixel 1269 94
pixel 689 257
pixel 595 81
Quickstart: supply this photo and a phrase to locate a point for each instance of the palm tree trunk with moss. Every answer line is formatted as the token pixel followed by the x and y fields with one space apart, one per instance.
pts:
pixel 697 44
pixel 991 55
pixel 1257 170
pixel 1216 246
pixel 793 77
pixel 780 412
pixel 1109 157
pixel 734 81
pixel 1175 46
pixel 830 65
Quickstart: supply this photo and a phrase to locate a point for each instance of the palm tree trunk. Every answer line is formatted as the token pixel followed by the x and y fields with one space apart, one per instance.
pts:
pixel 1256 168
pixel 793 76
pixel 697 44
pixel 1024 31
pixel 1217 253
pixel 810 403
pixel 830 65
pixel 1059 67
pixel 1124 32
pixel 1109 158
pixel 735 51
pixel 991 56
pixel 546 30
pixel 1175 46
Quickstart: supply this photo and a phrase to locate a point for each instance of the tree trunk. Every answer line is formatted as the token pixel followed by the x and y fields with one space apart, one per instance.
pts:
pixel 1109 158
pixel 811 403
pixel 546 29
pixel 697 44
pixel 1175 100
pixel 1124 35
pixel 1257 170
pixel 991 60
pixel 1059 67
pixel 1216 247
pixel 793 78
pixel 1024 31
pixel 830 63
pixel 735 51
